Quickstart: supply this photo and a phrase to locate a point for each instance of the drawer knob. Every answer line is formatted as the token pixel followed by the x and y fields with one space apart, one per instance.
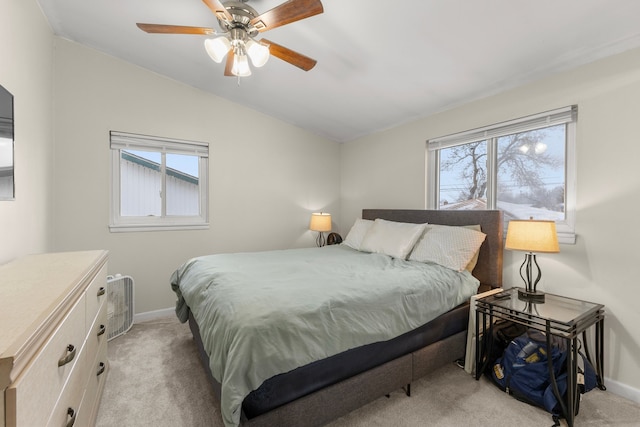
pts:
pixel 71 353
pixel 72 420
pixel 101 291
pixel 100 369
pixel 101 330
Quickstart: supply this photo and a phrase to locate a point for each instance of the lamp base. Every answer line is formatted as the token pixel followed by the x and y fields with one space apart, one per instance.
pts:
pixel 530 296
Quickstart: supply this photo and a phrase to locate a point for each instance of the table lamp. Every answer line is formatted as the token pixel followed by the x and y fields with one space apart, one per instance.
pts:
pixel 320 222
pixel 531 236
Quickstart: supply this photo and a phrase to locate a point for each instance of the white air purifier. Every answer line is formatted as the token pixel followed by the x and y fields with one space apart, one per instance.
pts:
pixel 119 305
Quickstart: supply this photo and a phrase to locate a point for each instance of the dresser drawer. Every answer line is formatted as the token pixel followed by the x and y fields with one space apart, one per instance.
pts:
pixel 97 332
pixel 32 397
pixel 96 295
pixel 68 404
pixel 97 376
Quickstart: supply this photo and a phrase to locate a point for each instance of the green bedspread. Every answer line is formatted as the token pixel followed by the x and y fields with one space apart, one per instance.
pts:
pixel 266 313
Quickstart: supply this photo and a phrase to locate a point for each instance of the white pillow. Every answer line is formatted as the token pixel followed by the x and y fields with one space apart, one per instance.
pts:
pixel 357 233
pixel 451 247
pixel 392 238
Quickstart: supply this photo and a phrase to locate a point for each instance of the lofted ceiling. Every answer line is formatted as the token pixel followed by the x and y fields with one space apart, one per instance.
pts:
pixel 380 64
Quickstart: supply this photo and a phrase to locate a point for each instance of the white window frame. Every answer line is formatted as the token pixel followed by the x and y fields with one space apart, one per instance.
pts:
pixel 566 115
pixel 119 223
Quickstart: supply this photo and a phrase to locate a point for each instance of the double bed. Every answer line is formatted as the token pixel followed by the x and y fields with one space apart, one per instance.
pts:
pixel 303 336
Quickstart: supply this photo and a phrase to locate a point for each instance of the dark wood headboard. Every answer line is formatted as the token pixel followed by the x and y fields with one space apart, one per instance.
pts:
pixel 489 267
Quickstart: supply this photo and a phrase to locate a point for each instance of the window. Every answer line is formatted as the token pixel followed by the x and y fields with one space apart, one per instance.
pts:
pixel 158 183
pixel 524 167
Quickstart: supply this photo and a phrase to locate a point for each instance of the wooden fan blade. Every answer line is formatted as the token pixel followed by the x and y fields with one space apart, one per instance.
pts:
pixel 175 29
pixel 286 13
pixel 229 64
pixel 219 10
pixel 294 58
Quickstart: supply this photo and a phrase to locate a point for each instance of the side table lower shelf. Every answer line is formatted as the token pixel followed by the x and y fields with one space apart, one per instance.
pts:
pixel 558 316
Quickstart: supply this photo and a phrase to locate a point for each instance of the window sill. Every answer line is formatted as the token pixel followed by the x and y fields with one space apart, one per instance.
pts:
pixel 567 238
pixel 127 228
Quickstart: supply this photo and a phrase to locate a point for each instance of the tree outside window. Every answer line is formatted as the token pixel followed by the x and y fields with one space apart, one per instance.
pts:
pixel 524 169
pixel 530 174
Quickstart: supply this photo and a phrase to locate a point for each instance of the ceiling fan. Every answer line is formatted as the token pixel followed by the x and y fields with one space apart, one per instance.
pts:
pixel 240 24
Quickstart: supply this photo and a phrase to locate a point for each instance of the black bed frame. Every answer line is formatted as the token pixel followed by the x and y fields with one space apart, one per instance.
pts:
pixel 333 401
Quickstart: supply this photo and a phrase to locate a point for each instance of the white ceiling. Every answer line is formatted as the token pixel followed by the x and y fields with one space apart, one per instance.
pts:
pixel 380 64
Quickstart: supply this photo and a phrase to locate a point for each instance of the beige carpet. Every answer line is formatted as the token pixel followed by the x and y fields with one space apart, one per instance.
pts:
pixel 156 379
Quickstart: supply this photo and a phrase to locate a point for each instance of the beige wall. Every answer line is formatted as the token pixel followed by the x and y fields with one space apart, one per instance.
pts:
pixel 388 170
pixel 25 71
pixel 288 173
pixel 266 177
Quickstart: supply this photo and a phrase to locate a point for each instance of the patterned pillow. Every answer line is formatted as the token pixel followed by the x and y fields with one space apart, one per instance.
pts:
pixel 474 259
pixel 451 247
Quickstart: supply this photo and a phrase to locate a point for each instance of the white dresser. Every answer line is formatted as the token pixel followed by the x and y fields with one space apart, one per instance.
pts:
pixel 53 339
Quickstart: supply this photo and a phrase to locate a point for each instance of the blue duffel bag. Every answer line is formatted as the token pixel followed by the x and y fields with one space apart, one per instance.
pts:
pixel 523 372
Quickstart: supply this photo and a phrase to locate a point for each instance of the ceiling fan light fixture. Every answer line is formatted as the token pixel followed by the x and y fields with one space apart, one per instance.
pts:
pixel 258 53
pixel 240 24
pixel 217 48
pixel 240 66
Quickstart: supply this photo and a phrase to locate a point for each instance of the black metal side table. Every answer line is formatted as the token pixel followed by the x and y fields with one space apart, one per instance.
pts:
pixel 559 316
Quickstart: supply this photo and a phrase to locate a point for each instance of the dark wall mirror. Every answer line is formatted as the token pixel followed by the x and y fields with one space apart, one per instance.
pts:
pixel 7 186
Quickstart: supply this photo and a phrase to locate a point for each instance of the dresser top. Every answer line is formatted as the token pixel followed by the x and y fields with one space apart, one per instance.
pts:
pixel 35 292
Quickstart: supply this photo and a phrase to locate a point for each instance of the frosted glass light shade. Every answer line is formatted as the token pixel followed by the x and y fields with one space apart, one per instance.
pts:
pixel 240 66
pixel 320 221
pixel 532 236
pixel 258 53
pixel 217 48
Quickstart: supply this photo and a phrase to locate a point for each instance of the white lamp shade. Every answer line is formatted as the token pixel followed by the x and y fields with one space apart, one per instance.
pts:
pixel 532 236
pixel 258 53
pixel 240 66
pixel 217 48
pixel 320 221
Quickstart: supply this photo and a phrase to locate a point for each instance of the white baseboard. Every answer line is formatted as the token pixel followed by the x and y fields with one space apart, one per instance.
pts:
pixel 622 390
pixel 154 315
